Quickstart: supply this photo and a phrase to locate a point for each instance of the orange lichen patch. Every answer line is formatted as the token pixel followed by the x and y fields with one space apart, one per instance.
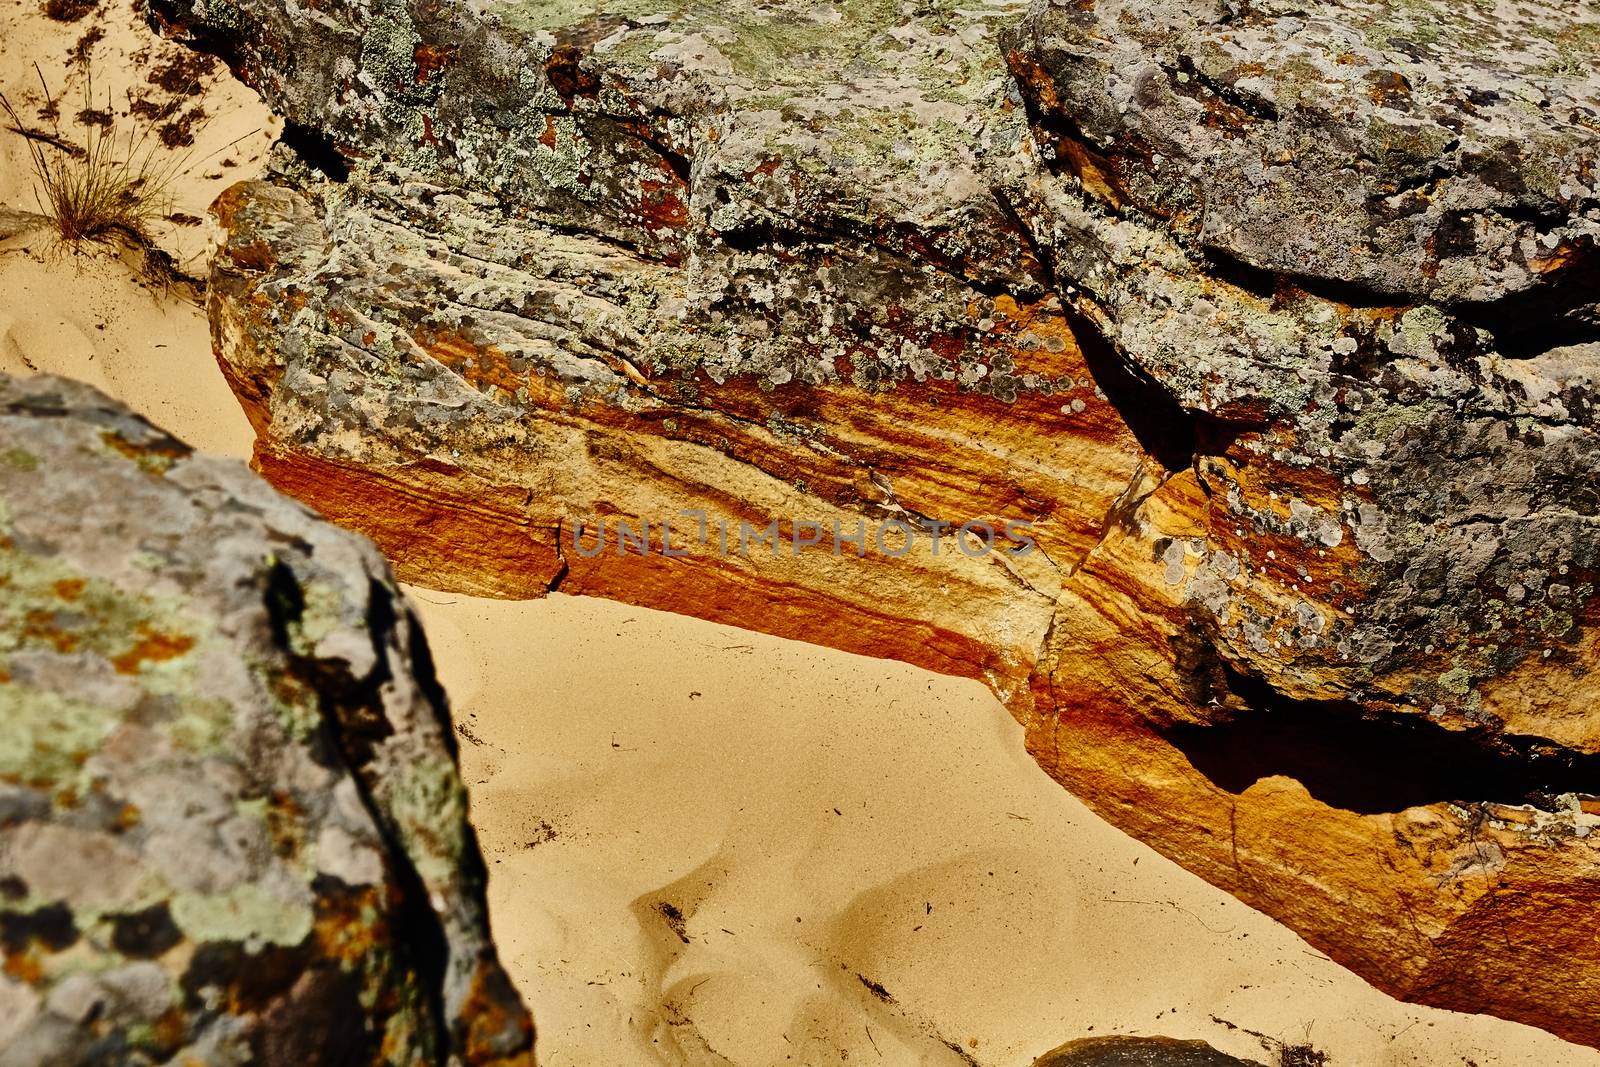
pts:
pixel 476 364
pixel 1388 88
pixel 430 59
pixel 151 647
pixel 351 926
pixel 70 588
pixel 567 74
pixel 23 966
pixel 548 137
pixel 490 1016
pixel 41 625
pixel 171 1030
pixel 235 199
pixel 156 455
pixel 284 817
pixel 256 255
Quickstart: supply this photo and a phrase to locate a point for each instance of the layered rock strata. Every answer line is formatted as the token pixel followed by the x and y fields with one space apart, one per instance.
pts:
pixel 1269 335
pixel 231 826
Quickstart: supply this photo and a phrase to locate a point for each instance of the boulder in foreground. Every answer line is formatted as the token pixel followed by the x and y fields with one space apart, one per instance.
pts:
pixel 231 826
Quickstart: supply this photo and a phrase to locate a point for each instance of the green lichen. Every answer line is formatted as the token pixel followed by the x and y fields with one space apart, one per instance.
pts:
pixel 1457 680
pixel 46 737
pixel 427 805
pixel 389 51
pixel 245 913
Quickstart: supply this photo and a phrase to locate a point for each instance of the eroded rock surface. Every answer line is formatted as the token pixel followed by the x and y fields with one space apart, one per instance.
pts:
pixel 231 826
pixel 1279 328
pixel 1437 151
pixel 1138 1052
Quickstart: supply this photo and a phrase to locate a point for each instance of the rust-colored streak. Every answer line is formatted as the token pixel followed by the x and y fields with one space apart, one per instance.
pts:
pixel 428 136
pixel 727 591
pixel 566 72
pixel 442 527
pixel 1093 170
pixel 477 364
pixel 660 205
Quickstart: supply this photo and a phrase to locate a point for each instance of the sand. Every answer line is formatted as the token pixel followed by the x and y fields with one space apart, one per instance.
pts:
pixel 709 846
pixel 90 315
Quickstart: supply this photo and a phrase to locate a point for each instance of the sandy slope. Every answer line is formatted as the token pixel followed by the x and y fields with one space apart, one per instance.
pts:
pixel 158 90
pixel 711 846
pixel 865 862
pixel 87 315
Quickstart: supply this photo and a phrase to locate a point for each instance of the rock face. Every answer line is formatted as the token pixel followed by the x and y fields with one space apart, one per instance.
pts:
pixel 231 826
pixel 1277 329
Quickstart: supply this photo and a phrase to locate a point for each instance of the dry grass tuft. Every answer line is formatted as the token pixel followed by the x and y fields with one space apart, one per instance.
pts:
pixel 108 186
pixel 1301 1055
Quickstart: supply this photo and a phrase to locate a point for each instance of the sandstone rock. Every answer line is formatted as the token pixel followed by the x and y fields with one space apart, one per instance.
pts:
pixel 1257 317
pixel 1448 158
pixel 1137 1052
pixel 231 826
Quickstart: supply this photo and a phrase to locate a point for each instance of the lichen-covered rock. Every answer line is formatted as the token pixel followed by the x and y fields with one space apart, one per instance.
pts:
pixel 1445 151
pixel 1256 316
pixel 231 826
pixel 1138 1052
